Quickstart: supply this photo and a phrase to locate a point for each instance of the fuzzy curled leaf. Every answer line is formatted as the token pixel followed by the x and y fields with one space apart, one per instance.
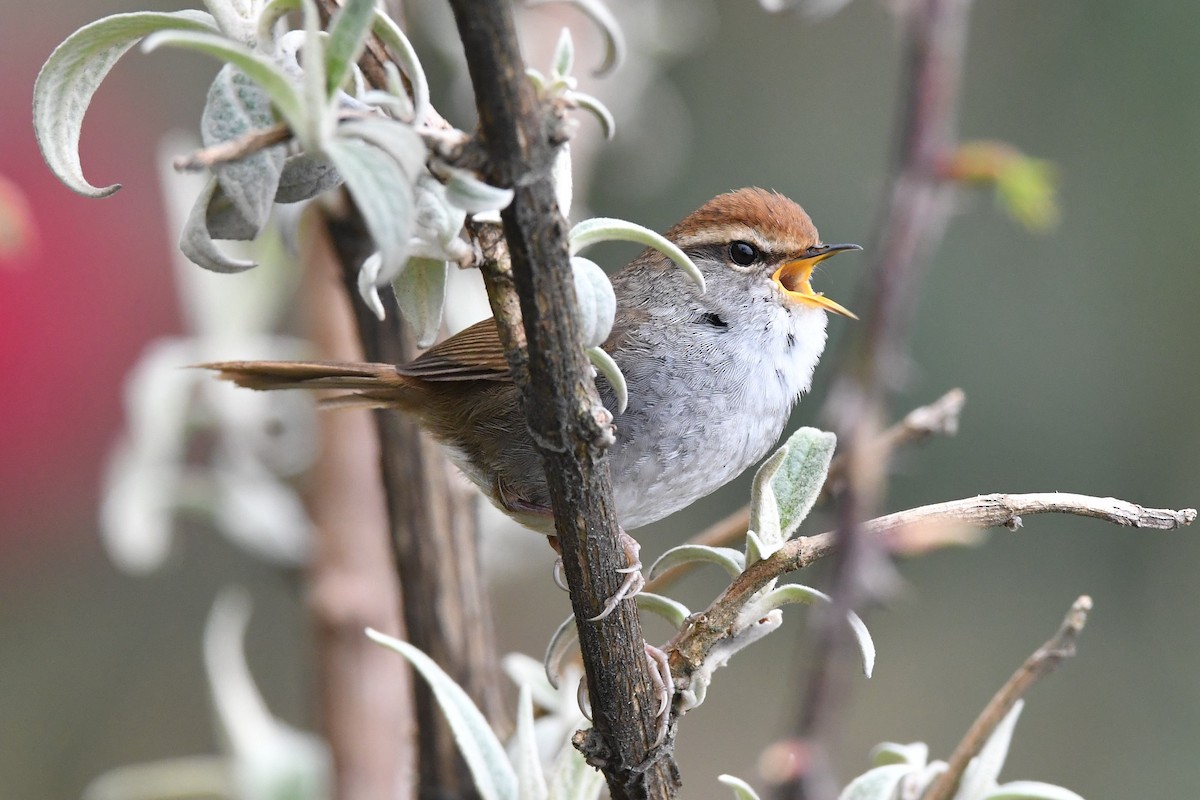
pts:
pixel 266 73
pixel 607 366
pixel 393 36
pixel 672 611
pixel 594 106
pixel 465 191
pixel 347 39
pixel 795 593
pixel 787 485
pixel 741 789
pixel 915 754
pixel 1031 790
pixel 421 293
pixel 235 106
pixel 597 302
pixel 614 40
pixel 225 221
pixel 605 229
pixel 493 774
pixel 196 242
pixel 564 636
pixel 69 78
pixel 531 781
pixel 383 193
pixel 305 175
pixel 879 783
pixel 727 558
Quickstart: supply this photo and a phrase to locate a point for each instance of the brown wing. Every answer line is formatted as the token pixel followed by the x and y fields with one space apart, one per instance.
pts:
pixel 473 354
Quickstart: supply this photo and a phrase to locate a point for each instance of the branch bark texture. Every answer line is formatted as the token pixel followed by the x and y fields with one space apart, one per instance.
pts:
pixel 563 410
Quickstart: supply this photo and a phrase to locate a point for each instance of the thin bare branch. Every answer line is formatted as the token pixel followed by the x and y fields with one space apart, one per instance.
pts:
pixel 1041 663
pixel 234 149
pixel 689 649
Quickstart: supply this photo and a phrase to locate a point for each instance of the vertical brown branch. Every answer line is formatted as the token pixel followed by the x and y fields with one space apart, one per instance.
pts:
pixel 366 693
pixel 434 539
pixel 562 407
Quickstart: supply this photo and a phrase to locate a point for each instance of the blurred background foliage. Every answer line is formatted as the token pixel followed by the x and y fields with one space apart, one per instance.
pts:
pixel 1077 349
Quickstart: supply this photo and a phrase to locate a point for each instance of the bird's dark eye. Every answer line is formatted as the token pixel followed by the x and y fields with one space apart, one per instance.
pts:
pixel 743 253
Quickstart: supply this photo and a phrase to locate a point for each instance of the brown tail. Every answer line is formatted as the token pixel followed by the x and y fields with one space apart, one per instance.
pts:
pixel 369 384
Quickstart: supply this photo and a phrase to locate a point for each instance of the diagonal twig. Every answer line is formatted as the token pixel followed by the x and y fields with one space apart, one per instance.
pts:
pixel 1042 662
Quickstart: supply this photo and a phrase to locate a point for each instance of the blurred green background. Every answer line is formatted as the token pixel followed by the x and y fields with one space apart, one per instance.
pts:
pixel 1078 351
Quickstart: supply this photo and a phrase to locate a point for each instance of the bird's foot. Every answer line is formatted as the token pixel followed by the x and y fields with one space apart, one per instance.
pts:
pixel 664 687
pixel 633 582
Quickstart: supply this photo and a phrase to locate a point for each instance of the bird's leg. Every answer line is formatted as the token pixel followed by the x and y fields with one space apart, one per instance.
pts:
pixel 633 582
pixel 664 686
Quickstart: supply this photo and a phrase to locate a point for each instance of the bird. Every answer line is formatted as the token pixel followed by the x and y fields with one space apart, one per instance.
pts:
pixel 712 374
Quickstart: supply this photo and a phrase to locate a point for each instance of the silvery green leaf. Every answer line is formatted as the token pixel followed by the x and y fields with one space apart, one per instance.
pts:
pixel 564 636
pixel 537 79
pixel 137 509
pixel 465 191
pixel 421 293
pixel 755 548
pixel 196 242
pixel 741 789
pixel 564 181
pixel 393 36
pixel 235 18
pixel 600 111
pixel 605 229
pixel 606 366
pixel 614 39
pixel 320 119
pixel 915 754
pixel 764 511
pixel 979 778
pixel 270 77
pixel 727 558
pixel 531 782
pixel 573 778
pixel 271 13
pixel 224 220
pixel 398 139
pixel 348 32
pixel 368 285
pixel 305 175
pixel 748 628
pixel 597 302
pixel 564 55
pixel 69 78
pixel 383 193
pixel 879 783
pixel 235 106
pixel 494 776
pixel 795 593
pixel 438 221
pixel 789 482
pixel 672 611
pixel 1031 790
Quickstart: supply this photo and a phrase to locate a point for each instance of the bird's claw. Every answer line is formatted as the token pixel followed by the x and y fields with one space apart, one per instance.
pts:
pixel 664 686
pixel 633 582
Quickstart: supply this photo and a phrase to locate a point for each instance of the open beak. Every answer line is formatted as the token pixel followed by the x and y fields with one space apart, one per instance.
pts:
pixel 794 276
